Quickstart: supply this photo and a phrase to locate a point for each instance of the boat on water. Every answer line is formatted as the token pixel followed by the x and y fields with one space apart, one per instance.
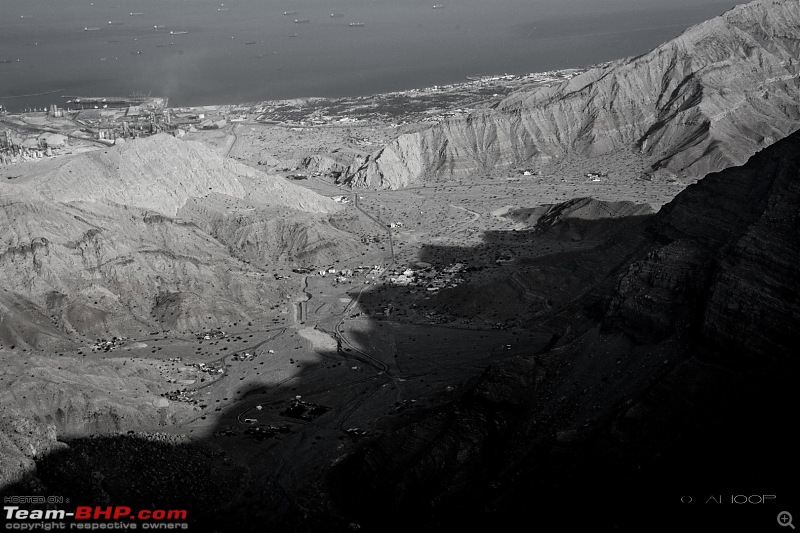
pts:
pixel 438 6
pixel 111 101
pixel 250 42
pixel 90 29
pixel 136 14
pixel 178 32
pixel 286 13
pixel 337 15
pixel 158 27
pixel 301 21
pixel 356 24
pixel 115 23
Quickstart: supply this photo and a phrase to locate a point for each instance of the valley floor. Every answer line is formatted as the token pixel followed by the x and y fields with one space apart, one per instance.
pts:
pixel 444 289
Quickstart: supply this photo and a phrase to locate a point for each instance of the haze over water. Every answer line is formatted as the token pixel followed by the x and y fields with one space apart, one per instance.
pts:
pixel 248 50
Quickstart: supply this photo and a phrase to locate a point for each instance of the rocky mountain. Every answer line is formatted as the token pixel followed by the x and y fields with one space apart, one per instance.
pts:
pixel 706 100
pixel 45 400
pixel 670 379
pixel 161 173
pixel 155 234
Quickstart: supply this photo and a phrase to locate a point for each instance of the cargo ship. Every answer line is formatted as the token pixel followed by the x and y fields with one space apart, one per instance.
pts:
pixel 107 101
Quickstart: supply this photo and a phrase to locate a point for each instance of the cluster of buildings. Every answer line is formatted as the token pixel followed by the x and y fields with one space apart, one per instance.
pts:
pixel 345 275
pixel 99 120
pixel 181 395
pixel 108 124
pixel 212 335
pixel 243 356
pixel 596 176
pixel 428 277
pixel 524 173
pixel 107 345
pixel 15 149
pixel 210 369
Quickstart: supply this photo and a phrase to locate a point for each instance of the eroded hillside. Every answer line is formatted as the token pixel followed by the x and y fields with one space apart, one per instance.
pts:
pixel 704 101
pixel 155 234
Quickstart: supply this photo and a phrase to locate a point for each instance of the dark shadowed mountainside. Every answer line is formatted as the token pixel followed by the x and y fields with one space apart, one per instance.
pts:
pixel 672 380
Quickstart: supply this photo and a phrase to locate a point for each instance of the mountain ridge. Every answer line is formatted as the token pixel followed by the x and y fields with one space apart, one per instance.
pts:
pixel 708 99
pixel 161 173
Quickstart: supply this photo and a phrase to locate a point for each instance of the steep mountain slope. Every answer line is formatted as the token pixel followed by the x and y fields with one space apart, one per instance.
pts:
pixel 704 101
pixel 157 234
pixel 678 386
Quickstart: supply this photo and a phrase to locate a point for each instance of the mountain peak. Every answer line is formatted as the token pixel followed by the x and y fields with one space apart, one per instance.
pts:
pixel 161 173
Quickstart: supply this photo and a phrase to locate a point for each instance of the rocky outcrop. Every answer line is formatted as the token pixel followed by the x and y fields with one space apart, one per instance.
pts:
pixel 679 383
pixel 579 218
pixel 704 101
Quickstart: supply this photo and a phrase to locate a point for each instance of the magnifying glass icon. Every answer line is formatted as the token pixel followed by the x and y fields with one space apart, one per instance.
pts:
pixel 785 519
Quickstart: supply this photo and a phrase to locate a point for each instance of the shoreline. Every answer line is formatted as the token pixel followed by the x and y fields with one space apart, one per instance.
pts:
pixel 469 80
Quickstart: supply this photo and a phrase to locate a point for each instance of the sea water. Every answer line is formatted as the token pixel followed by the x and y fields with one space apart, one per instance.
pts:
pixel 249 50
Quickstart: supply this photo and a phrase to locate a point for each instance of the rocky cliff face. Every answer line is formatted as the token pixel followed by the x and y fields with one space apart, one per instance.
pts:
pixel 677 385
pixel 704 101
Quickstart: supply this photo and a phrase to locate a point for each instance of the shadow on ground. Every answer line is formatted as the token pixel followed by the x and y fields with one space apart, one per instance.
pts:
pixel 620 413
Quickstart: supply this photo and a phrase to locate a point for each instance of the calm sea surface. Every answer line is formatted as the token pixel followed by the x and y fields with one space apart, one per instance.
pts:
pixel 248 50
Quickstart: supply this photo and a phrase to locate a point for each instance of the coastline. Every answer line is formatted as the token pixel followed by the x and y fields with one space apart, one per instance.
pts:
pixel 393 113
